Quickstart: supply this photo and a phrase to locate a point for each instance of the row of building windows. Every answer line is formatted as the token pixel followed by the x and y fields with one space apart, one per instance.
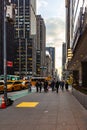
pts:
pixel 78 5
pixel 22 2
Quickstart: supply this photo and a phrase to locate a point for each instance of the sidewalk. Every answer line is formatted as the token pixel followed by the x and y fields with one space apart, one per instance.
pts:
pixel 53 112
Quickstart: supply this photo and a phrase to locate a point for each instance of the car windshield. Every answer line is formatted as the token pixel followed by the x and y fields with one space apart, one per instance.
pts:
pixel 1 83
pixel 9 82
pixel 17 82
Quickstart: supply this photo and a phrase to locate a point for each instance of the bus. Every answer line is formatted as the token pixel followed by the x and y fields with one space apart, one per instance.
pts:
pixel 42 79
pixel 10 77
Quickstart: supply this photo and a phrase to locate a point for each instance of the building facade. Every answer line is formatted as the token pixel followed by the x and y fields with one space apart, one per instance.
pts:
pixel 9 39
pixel 64 60
pixel 41 44
pixel 78 37
pixel 51 51
pixel 48 65
pixel 25 37
pixel 1 37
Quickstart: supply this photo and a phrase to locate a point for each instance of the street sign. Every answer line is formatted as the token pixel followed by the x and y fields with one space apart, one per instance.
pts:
pixel 43 67
pixel 9 63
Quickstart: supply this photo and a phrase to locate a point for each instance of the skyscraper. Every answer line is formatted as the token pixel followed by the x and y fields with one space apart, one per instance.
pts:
pixel 41 43
pixel 1 36
pixel 63 59
pixel 9 39
pixel 51 50
pixel 76 16
pixel 25 37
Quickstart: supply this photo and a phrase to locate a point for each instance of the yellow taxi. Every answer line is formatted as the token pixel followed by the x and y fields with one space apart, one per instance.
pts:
pixel 14 85
pixel 9 85
pixel 1 86
pixel 25 84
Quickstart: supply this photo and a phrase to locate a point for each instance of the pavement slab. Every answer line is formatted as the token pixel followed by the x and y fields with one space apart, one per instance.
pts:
pixel 54 111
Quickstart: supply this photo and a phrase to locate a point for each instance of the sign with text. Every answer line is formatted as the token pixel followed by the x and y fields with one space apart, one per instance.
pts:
pixel 9 63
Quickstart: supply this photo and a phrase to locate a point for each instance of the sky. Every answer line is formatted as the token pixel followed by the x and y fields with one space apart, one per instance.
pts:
pixel 53 13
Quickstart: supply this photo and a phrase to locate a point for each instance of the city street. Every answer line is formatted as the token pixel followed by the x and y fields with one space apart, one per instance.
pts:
pixel 43 50
pixel 44 111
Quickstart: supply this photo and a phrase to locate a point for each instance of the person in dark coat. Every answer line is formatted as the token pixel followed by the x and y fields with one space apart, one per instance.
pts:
pixel 40 86
pixel 45 86
pixel 37 85
pixel 66 85
pixel 53 85
pixel 57 85
pixel 62 85
pixel 29 86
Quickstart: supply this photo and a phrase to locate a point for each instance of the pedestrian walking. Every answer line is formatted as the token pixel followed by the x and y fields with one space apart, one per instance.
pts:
pixel 29 86
pixel 40 86
pixel 57 86
pixel 62 85
pixel 66 85
pixel 37 85
pixel 53 85
pixel 45 86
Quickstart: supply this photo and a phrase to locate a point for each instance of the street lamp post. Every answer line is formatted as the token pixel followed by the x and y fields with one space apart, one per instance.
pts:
pixel 5 58
pixel 26 57
pixel 19 57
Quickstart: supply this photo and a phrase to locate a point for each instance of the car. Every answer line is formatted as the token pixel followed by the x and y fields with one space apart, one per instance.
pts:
pixel 14 85
pixel 9 85
pixel 25 84
pixel 1 85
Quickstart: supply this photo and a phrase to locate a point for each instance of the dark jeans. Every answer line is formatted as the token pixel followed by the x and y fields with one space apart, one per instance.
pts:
pixel 40 88
pixel 57 88
pixel 36 89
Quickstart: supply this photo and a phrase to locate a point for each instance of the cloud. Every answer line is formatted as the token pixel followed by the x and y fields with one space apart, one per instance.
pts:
pixel 53 13
pixel 49 8
pixel 55 25
pixel 55 34
pixel 55 31
pixel 41 4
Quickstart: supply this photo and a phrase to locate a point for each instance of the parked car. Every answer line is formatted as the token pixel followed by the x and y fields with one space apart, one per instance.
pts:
pixel 9 85
pixel 1 85
pixel 25 84
pixel 14 85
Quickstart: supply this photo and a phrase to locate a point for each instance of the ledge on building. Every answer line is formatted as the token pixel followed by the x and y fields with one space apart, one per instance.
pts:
pixel 81 94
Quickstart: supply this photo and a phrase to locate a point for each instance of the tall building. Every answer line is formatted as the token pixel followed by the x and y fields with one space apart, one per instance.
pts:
pixel 41 44
pixel 64 60
pixel 77 19
pixel 48 64
pixel 25 37
pixel 1 37
pixel 51 51
pixel 67 4
pixel 9 38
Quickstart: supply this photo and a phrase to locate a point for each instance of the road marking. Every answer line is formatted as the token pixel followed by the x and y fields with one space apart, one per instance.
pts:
pixel 28 104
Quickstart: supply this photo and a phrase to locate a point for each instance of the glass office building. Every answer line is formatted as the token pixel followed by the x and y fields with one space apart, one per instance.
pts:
pixel 78 9
pixel 9 41
pixel 77 35
pixel 25 37
pixel 41 43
